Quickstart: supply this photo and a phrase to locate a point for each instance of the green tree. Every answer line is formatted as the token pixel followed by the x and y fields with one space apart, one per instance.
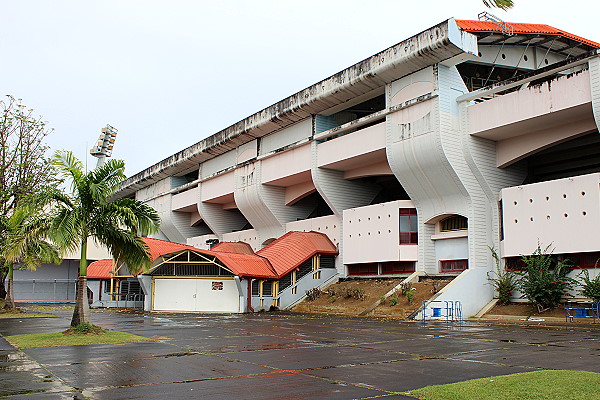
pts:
pixel 24 169
pixel 22 238
pixel 501 4
pixel 90 212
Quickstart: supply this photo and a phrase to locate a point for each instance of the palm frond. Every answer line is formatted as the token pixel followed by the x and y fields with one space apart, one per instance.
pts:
pixel 501 4
pixel 67 165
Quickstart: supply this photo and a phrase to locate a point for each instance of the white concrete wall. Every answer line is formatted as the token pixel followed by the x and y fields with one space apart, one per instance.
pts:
pixel 285 137
pixel 372 234
pixel 329 225
pixel 249 236
pixel 183 294
pixel 451 249
pixel 564 213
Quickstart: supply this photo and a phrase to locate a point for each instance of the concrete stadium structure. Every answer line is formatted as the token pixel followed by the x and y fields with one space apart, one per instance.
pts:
pixel 469 135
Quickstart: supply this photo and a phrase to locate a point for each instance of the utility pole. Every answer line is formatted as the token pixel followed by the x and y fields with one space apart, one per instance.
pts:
pixel 105 144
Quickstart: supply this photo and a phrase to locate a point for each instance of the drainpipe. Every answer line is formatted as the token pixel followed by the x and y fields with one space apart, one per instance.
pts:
pixel 250 295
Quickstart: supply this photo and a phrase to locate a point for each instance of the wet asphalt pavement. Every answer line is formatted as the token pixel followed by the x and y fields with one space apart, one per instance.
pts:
pixel 278 356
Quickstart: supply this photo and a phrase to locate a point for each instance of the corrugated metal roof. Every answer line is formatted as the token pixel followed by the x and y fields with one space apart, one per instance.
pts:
pixel 274 261
pixel 101 269
pixel 158 247
pixel 294 248
pixel 247 265
pixel 233 247
pixel 521 28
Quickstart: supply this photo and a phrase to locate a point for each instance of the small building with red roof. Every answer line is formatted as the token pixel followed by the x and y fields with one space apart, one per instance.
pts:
pixel 230 277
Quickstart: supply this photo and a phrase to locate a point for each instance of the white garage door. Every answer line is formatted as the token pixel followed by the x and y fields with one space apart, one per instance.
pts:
pixel 202 295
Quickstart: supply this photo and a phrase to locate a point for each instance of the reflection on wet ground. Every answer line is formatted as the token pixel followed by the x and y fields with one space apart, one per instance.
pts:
pixel 278 356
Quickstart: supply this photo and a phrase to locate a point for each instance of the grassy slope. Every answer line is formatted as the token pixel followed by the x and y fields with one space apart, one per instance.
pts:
pixel 538 385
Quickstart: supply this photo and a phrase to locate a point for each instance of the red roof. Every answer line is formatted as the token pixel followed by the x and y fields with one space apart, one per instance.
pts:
pixel 101 269
pixel 294 248
pixel 158 247
pixel 274 261
pixel 233 247
pixel 521 28
pixel 247 265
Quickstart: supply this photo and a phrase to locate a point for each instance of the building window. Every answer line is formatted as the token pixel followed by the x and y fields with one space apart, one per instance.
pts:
pixel 397 267
pixel 408 226
pixel 581 260
pixel 363 269
pixel 255 287
pixel 453 223
pixel 267 289
pixel 454 265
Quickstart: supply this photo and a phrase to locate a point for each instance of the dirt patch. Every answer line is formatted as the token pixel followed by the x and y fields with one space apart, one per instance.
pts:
pixel 334 301
pixel 519 312
pixel 403 309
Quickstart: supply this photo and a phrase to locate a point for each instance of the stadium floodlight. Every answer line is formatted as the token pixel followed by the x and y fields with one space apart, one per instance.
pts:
pixel 104 146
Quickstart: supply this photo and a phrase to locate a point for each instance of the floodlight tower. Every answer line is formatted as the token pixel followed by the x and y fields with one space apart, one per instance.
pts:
pixel 105 144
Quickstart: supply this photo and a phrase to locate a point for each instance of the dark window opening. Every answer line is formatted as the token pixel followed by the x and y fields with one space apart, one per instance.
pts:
pixel 326 122
pixel 255 288
pixel 363 269
pixel 321 208
pixel 577 156
pixel 454 265
pixel 391 189
pixel 477 76
pixel 453 223
pixel 408 226
pixel 305 269
pixel 171 269
pixel 397 267
pixel 267 289
pixel 285 282
pixel 327 261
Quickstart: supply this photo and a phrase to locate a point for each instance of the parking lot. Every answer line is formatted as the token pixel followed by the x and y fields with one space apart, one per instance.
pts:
pixel 278 356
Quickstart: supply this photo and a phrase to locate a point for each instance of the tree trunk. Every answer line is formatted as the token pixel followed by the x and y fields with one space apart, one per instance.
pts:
pixel 2 287
pixel 81 313
pixel 10 294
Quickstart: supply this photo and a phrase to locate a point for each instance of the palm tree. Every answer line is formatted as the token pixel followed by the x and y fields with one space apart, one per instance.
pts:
pixel 501 4
pixel 23 241
pixel 90 212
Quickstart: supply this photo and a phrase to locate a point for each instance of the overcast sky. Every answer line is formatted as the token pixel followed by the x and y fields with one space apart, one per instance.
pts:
pixel 167 74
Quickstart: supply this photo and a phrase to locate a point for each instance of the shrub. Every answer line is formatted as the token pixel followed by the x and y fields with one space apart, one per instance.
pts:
pixel 543 284
pixel 591 287
pixel 313 294
pixel 393 301
pixel 504 282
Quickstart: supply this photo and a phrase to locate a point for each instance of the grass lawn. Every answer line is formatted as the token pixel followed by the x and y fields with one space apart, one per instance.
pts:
pixel 538 385
pixel 23 315
pixel 61 339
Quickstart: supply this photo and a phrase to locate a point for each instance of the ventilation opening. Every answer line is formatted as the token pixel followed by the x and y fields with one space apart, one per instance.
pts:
pixel 578 156
pixel 453 223
pixel 320 207
pixel 326 122
pixel 477 76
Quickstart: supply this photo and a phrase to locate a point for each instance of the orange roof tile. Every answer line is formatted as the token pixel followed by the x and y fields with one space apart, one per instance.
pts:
pixel 158 247
pixel 522 28
pixel 247 265
pixel 294 248
pixel 101 269
pixel 233 247
pixel 272 262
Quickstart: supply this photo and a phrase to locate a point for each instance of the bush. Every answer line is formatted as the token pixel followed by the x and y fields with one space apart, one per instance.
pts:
pixel 541 283
pixel 591 287
pixel 313 294
pixel 393 301
pixel 505 282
